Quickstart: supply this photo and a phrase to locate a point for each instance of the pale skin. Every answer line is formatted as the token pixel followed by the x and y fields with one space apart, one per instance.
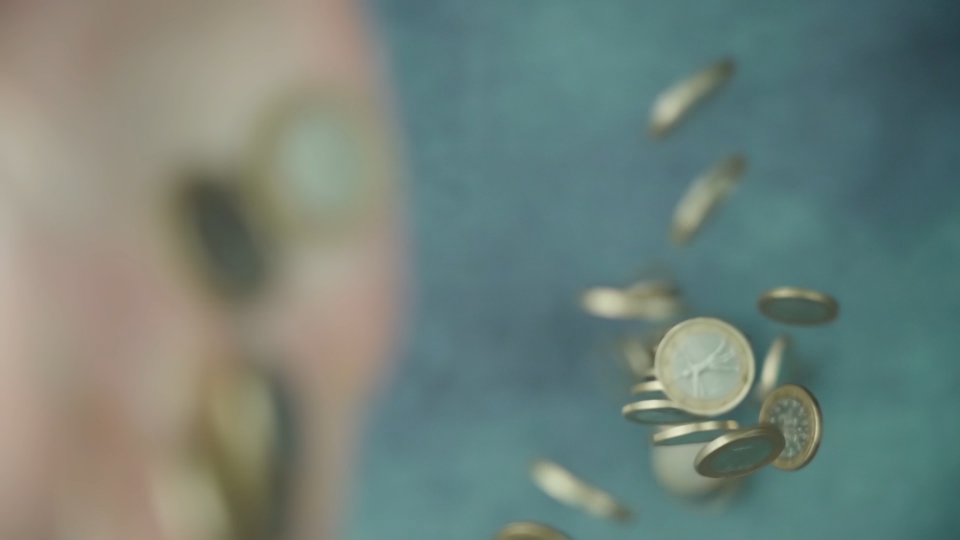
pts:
pixel 106 328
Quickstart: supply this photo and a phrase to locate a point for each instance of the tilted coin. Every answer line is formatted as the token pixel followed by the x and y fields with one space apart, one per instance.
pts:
pixel 705 194
pixel 567 488
pixel 740 453
pixel 674 103
pixel 773 366
pixel 657 411
pixel 799 307
pixel 699 432
pixel 673 468
pixel 706 366
pixel 648 390
pixel 529 531
pixel 631 303
pixel 636 356
pixel 794 410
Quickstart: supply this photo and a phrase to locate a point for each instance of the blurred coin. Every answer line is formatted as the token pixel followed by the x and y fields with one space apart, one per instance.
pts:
pixel 636 357
pixel 706 366
pixel 568 489
pixel 772 369
pixel 673 468
pixel 674 103
pixel 640 301
pixel 705 194
pixel 799 307
pixel 529 531
pixel 700 432
pixel 648 390
pixel 657 411
pixel 795 411
pixel 740 452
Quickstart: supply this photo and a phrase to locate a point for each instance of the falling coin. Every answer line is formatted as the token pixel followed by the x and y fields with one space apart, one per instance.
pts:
pixel 795 411
pixel 799 307
pixel 673 468
pixel 648 390
pixel 772 368
pixel 674 103
pixel 657 411
pixel 740 453
pixel 634 302
pixel 637 357
pixel 704 195
pixel 529 531
pixel 699 432
pixel 706 366
pixel 568 489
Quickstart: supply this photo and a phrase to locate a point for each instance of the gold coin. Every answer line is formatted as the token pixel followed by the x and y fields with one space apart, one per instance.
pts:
pixel 799 307
pixel 772 368
pixel 653 387
pixel 699 432
pixel 794 410
pixel 706 366
pixel 705 194
pixel 636 357
pixel 529 531
pixel 565 487
pixel 657 411
pixel 635 302
pixel 740 453
pixel 674 103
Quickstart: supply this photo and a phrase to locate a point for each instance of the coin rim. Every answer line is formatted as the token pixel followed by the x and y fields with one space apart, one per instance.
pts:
pixel 718 74
pixel 523 530
pixel 667 436
pixel 682 231
pixel 646 405
pixel 771 433
pixel 646 387
pixel 585 496
pixel 798 293
pixel 810 403
pixel 772 367
pixel 660 368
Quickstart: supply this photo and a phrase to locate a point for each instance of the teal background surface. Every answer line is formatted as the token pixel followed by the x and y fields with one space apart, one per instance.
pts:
pixel 532 178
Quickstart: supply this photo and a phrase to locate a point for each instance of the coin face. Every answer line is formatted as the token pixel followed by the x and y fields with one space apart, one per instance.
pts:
pixel 795 411
pixel 529 531
pixel 700 432
pixel 740 453
pixel 799 307
pixel 704 195
pixel 657 411
pixel 567 488
pixel 706 366
pixel 674 103
pixel 773 366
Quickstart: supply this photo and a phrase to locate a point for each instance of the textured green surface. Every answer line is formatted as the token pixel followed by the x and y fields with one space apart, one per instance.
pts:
pixel 533 178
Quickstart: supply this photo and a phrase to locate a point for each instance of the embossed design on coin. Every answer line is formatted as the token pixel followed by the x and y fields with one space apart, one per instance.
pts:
pixel 795 411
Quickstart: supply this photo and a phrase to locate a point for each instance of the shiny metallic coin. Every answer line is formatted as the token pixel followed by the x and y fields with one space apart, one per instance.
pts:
pixel 652 389
pixel 657 411
pixel 567 488
pixel 795 411
pixel 699 432
pixel 673 468
pixel 706 366
pixel 740 453
pixel 529 531
pixel 773 367
pixel 636 357
pixel 649 303
pixel 705 194
pixel 674 103
pixel 799 307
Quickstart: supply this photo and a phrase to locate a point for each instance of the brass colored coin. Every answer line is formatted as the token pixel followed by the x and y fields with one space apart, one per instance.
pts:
pixel 636 356
pixel 635 302
pixel 653 387
pixel 706 193
pixel 799 307
pixel 740 453
pixel 567 488
pixel 706 366
pixel 674 103
pixel 529 531
pixel 795 411
pixel 699 432
pixel 773 365
pixel 657 411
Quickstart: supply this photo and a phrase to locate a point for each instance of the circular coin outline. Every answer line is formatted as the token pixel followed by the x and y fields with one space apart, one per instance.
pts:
pixel 704 462
pixel 693 405
pixel 769 299
pixel 812 408
pixel 680 434
pixel 635 412
pixel 773 364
